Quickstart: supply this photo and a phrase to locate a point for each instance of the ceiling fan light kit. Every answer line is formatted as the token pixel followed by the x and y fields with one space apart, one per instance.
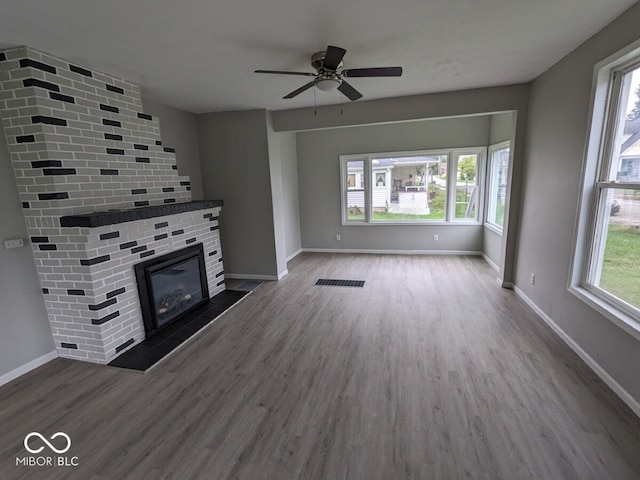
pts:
pixel 327 77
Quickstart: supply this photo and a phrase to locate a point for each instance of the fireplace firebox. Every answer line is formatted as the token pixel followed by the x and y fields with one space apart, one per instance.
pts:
pixel 170 286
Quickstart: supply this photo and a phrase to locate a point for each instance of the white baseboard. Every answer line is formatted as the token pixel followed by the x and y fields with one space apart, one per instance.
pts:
pixel 27 367
pixel 595 366
pixel 252 276
pixel 391 252
pixel 294 255
pixel 491 263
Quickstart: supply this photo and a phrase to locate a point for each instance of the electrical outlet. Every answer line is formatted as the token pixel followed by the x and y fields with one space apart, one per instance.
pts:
pixel 15 243
pixel 338 236
pixel 435 237
pixel 532 279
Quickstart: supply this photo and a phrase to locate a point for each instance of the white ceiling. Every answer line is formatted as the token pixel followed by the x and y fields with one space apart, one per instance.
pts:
pixel 199 55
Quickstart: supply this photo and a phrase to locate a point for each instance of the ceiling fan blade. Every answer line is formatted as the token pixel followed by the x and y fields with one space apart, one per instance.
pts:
pixel 281 72
pixel 373 72
pixel 349 92
pixel 333 57
pixel 300 90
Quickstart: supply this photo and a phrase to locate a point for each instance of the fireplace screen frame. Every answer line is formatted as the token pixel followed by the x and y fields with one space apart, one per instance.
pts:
pixel 145 270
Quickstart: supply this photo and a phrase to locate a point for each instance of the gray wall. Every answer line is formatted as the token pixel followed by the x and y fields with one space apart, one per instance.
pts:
pixel 554 153
pixel 291 192
pixel 25 334
pixel 179 129
pixel 319 174
pixel 234 149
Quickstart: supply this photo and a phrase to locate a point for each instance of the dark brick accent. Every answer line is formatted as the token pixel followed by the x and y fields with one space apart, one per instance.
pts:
pixel 72 291
pixel 124 246
pixel 105 304
pixel 169 200
pixel 115 151
pixel 139 249
pixel 39 239
pixel 147 254
pixel 107 236
pixel 142 203
pixel 49 247
pixel 109 108
pixel 144 116
pixel 3 57
pixel 213 229
pixel 26 205
pixel 138 191
pixel 109 171
pixel 115 89
pixel 53 196
pixel 96 260
pixel 139 146
pixel 100 321
pixel 158 142
pixel 25 139
pixel 111 136
pixel 62 98
pixel 49 120
pixel 46 163
pixel 174 167
pixel 72 346
pixel 117 292
pixel 143 159
pixel 220 283
pixel 191 240
pixel 219 274
pixel 169 149
pixel 59 171
pixel 45 291
pixel 207 215
pixel 111 123
pixel 161 225
pixel 160 237
pixel 27 62
pixel 168 189
pixel 211 254
pixel 177 232
pixel 34 82
pixel 80 70
pixel 184 184
pixel 124 345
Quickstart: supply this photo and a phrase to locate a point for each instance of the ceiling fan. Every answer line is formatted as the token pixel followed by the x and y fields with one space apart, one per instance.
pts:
pixel 327 76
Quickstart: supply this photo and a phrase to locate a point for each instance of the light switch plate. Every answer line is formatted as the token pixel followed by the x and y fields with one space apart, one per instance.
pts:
pixel 15 243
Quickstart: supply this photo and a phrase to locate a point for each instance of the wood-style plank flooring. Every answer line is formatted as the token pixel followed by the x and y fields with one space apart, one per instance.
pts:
pixel 432 371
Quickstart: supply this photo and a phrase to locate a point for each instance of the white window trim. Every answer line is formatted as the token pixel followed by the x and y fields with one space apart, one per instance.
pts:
pixel 588 198
pixel 499 229
pixel 451 153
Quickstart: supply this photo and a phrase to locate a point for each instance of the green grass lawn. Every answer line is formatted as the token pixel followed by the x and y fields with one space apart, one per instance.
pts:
pixel 621 265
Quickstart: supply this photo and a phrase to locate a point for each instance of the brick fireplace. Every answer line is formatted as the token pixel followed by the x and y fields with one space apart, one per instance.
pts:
pixel 100 193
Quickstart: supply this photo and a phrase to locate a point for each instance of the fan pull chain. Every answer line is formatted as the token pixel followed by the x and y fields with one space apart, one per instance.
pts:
pixel 315 109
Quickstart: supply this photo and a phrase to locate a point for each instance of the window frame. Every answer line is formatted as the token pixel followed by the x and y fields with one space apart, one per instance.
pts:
pixel 451 153
pixel 590 233
pixel 492 165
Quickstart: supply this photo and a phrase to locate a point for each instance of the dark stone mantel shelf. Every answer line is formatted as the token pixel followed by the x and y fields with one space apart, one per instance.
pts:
pixel 112 217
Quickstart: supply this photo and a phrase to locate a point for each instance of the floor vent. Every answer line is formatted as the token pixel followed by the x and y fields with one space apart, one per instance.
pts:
pixel 340 283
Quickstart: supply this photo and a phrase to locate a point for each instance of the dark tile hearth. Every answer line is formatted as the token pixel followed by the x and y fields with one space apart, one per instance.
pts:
pixel 146 354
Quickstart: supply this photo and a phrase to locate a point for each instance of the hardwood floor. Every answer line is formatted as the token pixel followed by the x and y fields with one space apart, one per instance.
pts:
pixel 431 371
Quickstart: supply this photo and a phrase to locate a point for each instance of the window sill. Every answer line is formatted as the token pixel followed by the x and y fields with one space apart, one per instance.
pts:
pixel 615 315
pixel 435 223
pixel 493 228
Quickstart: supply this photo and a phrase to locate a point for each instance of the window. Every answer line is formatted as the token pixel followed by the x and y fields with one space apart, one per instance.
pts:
pixel 497 185
pixel 606 270
pixel 412 187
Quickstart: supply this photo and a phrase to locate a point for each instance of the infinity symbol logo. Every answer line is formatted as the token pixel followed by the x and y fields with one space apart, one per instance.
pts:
pixel 38 450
